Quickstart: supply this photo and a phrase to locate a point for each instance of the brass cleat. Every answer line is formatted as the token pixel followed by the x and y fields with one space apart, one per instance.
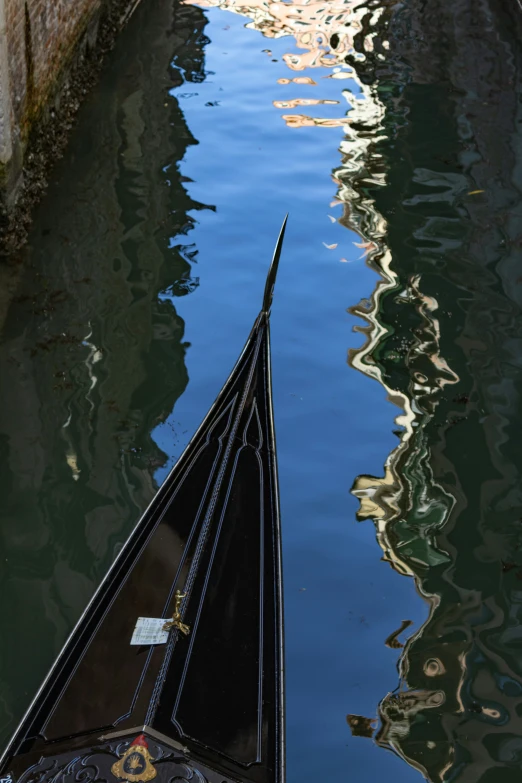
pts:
pixel 176 617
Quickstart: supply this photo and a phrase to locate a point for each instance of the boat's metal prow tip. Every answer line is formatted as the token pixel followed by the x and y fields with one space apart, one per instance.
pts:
pixel 272 272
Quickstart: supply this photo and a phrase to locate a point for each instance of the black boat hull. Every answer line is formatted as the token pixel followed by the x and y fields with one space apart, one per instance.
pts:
pixel 210 703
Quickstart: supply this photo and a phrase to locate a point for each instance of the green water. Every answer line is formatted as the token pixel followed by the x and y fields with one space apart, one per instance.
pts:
pixel 391 134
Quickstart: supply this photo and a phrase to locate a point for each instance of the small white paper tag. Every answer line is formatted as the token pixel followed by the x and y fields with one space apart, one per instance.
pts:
pixel 149 630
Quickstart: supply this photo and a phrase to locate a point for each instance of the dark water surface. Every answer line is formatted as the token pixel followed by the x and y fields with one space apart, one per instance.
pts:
pixel 391 133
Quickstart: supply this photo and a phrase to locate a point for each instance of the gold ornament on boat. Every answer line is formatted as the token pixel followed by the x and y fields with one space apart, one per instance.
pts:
pixel 135 765
pixel 176 617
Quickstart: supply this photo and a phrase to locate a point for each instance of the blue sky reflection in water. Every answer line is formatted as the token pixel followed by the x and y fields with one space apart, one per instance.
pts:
pixel 333 423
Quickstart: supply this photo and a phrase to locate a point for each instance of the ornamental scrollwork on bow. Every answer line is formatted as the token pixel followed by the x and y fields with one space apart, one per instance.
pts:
pixel 80 769
pixel 187 774
pixel 95 766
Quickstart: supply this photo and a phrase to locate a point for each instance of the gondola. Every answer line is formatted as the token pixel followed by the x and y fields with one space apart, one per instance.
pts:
pixel 198 694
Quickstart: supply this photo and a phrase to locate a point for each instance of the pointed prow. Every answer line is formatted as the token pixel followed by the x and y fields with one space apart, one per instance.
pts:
pixel 272 272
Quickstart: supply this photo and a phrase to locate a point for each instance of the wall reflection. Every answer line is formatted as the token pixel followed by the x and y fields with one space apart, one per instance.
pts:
pixel 448 508
pixel 92 356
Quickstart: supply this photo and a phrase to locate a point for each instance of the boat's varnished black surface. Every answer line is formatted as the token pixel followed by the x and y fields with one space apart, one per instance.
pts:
pixel 207 706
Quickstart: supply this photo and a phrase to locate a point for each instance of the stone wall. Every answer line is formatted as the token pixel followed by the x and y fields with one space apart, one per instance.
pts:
pixel 41 36
pixel 42 43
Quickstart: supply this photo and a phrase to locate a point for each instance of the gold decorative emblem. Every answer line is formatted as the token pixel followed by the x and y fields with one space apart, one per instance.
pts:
pixel 176 617
pixel 136 763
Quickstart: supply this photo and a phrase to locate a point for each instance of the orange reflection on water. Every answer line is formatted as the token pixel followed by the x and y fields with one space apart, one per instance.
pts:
pixel 324 32
pixel 314 25
pixel 298 80
pixel 304 121
pixel 303 102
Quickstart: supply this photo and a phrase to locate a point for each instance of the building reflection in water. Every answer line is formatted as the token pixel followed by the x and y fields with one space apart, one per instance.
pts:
pixel 464 667
pixel 448 509
pixel 456 712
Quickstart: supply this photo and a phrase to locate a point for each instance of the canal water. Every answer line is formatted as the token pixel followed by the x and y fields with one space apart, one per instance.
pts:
pixel 391 134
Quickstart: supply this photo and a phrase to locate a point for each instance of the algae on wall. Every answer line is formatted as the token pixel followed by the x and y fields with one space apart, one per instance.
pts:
pixel 6 119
